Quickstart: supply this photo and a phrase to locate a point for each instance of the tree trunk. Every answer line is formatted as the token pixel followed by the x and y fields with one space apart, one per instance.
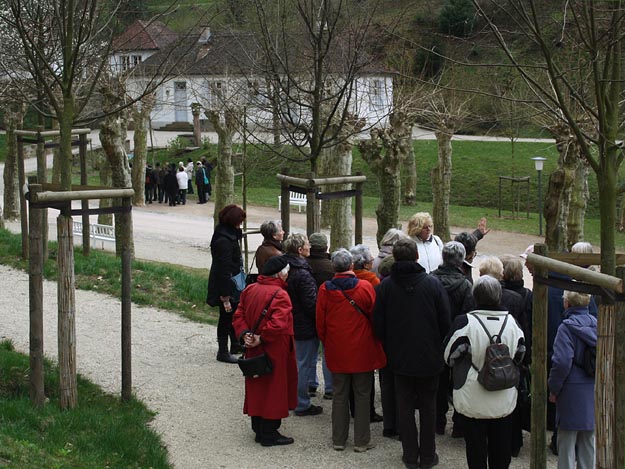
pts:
pixel 140 118
pixel 224 173
pixel 410 173
pixel 56 156
pixel 324 165
pixel 578 204
pixel 384 153
pixel 42 176
pixel 113 136
pixel 559 192
pixel 441 186
pixel 12 122
pixel 105 180
pixel 341 232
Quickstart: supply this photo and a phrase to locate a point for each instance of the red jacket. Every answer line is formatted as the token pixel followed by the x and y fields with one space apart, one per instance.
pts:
pixel 346 333
pixel 367 275
pixel 270 396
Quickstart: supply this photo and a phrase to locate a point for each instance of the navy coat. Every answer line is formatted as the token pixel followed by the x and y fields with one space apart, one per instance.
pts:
pixel 574 389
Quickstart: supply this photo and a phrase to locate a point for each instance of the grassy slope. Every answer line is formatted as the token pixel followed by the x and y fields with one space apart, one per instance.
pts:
pixel 100 432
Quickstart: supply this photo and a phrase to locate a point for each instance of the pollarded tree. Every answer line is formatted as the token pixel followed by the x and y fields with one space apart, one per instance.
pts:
pixel 320 67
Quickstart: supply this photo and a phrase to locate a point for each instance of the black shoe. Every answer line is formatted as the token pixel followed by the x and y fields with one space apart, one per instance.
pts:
pixel 440 429
pixel 280 440
pixel 428 465
pixel 312 410
pixel 226 357
pixel 515 452
pixel 457 433
pixel 236 349
pixel 257 438
pixel 390 433
pixel 328 396
pixel 375 417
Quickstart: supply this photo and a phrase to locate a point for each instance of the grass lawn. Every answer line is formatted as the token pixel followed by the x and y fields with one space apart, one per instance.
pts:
pixel 100 432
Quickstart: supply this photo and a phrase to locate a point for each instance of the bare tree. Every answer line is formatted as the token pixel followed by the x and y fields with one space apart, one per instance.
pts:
pixel 576 69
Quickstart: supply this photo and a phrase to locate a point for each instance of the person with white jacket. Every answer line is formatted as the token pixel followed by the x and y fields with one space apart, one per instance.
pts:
pixel 485 414
pixel 430 246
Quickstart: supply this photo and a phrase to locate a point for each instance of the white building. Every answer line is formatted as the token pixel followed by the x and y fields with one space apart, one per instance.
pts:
pixel 219 70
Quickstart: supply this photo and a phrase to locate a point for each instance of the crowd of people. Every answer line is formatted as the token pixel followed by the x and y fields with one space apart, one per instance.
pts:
pixel 170 183
pixel 415 314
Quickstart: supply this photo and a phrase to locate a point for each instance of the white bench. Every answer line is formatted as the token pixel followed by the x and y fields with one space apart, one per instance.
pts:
pixel 96 232
pixel 295 198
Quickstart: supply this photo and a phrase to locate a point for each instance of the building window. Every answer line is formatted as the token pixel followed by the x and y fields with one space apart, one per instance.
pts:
pixel 125 62
pixel 136 60
pixel 376 94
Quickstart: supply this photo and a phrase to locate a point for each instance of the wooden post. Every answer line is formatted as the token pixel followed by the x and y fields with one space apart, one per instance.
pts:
pixel 538 445
pixel 312 207
pixel 619 379
pixel 82 152
pixel 67 312
pixel 23 208
pixel 35 303
pixel 359 212
pixel 126 261
pixel 285 213
pixel 604 388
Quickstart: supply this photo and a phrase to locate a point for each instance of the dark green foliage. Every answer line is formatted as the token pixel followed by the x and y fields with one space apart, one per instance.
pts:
pixel 456 18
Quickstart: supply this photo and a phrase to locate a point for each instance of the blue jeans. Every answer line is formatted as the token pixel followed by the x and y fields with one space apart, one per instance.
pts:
pixel 306 354
pixel 313 382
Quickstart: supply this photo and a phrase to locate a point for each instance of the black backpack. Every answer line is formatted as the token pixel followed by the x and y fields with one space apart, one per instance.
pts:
pixel 499 371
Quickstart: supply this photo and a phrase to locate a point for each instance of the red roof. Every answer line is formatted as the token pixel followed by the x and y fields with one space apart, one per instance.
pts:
pixel 144 35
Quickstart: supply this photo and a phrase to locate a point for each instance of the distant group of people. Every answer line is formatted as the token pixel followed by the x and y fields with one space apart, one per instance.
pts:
pixel 413 313
pixel 171 183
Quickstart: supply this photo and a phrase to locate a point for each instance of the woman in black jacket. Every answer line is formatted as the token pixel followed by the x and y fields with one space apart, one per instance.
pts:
pixel 227 261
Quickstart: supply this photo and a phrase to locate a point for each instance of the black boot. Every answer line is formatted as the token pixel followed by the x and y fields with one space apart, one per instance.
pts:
pixel 223 355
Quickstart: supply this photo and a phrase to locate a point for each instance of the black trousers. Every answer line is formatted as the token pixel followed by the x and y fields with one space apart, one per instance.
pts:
pixel 389 402
pixel 410 390
pixel 488 442
pixel 442 405
pixel 224 325
pixel 265 429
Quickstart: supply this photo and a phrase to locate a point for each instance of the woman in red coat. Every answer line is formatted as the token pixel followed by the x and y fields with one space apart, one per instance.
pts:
pixel 269 398
pixel 344 313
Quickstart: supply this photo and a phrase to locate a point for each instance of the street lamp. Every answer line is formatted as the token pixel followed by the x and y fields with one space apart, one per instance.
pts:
pixel 538 164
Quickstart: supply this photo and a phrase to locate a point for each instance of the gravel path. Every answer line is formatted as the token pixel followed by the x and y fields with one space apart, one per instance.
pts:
pixel 198 400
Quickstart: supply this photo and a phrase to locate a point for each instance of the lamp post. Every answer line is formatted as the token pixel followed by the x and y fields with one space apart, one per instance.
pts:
pixel 538 164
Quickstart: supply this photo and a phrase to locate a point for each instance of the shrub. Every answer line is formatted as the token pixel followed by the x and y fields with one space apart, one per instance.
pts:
pixel 456 18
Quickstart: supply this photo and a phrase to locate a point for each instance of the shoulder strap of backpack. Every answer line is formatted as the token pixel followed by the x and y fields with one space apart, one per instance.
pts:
pixel 490 337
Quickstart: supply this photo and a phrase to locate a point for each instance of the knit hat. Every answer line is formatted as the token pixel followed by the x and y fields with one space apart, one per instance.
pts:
pixel 318 241
pixel 274 265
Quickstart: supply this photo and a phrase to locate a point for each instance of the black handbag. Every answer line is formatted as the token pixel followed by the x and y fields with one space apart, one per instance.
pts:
pixel 258 365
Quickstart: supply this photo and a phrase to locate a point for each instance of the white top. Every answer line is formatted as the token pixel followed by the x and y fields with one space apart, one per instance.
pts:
pixel 473 399
pixel 183 180
pixel 430 252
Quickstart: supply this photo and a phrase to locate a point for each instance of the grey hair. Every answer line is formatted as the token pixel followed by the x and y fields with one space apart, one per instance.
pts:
pixel 391 237
pixel 270 228
pixel 512 268
pixel 294 242
pixel 453 254
pixel 575 298
pixel 342 260
pixel 361 255
pixel 487 292
pixel 582 247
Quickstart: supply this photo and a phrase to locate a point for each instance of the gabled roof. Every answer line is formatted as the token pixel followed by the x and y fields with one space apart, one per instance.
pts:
pixel 227 53
pixel 222 53
pixel 144 35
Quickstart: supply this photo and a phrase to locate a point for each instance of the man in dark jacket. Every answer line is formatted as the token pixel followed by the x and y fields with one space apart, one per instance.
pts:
pixel 458 290
pixel 303 292
pixel 322 270
pixel 411 318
